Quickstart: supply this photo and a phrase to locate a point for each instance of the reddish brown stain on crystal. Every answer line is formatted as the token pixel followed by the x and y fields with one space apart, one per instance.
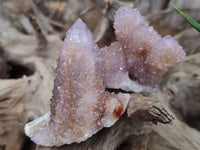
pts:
pixel 118 111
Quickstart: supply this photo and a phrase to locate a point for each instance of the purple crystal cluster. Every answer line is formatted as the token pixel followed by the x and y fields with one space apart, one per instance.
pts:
pixel 80 105
pixel 147 55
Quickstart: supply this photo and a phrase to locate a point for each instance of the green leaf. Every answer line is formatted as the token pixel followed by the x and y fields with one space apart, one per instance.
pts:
pixel 191 21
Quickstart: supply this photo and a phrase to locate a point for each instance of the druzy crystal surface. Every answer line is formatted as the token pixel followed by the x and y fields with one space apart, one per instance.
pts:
pixel 146 55
pixel 80 105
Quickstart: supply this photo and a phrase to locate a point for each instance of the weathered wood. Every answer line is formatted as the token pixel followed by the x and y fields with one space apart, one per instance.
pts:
pixel 189 39
pixel 181 90
pixel 170 22
pixel 143 126
pixel 153 6
pixel 25 92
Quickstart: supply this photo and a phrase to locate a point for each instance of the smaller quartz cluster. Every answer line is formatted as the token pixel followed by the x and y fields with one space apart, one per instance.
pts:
pixel 144 55
pixel 80 105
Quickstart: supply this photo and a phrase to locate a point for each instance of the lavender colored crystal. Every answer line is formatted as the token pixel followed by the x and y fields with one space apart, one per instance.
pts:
pixel 80 106
pixel 116 72
pixel 148 56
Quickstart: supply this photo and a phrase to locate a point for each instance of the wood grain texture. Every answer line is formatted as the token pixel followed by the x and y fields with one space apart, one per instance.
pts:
pixel 146 125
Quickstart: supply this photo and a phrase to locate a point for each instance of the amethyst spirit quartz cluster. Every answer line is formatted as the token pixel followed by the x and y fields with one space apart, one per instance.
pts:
pixel 80 105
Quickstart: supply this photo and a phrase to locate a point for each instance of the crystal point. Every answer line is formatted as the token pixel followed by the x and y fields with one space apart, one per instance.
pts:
pixel 80 106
